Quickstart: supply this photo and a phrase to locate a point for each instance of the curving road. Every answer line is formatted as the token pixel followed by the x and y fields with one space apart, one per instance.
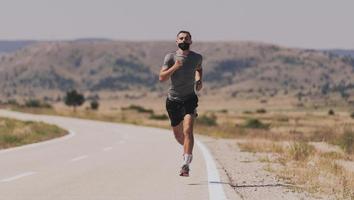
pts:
pixel 103 161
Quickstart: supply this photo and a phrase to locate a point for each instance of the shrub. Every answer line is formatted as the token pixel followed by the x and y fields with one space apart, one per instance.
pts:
pixel 139 109
pixel 255 123
pixel 34 103
pixel 207 120
pixel 94 105
pixel 158 117
pixel 261 111
pixel 46 105
pixel 223 111
pixel 12 102
pixel 352 115
pixel 330 112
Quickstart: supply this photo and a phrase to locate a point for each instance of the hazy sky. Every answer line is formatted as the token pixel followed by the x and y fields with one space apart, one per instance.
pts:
pixel 294 23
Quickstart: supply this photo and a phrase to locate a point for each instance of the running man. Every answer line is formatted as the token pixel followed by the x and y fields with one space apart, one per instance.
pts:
pixel 184 68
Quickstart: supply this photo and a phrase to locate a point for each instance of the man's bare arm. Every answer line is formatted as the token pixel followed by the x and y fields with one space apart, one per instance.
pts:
pixel 199 78
pixel 165 73
pixel 199 74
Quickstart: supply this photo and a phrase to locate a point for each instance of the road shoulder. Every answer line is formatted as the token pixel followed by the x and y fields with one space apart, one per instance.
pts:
pixel 245 176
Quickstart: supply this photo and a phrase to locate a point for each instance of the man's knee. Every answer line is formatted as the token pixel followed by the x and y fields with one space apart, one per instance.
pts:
pixel 189 117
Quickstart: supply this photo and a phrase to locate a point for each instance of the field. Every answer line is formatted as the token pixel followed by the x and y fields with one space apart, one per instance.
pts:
pixel 309 146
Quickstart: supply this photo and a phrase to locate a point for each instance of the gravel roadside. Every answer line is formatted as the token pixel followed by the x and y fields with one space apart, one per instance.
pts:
pixel 246 176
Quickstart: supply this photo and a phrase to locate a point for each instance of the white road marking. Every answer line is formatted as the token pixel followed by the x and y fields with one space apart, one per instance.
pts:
pixel 216 192
pixel 107 148
pixel 17 177
pixel 79 158
pixel 66 137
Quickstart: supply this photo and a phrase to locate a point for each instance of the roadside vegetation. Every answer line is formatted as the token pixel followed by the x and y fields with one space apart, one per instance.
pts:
pixel 16 133
pixel 300 164
pixel 291 138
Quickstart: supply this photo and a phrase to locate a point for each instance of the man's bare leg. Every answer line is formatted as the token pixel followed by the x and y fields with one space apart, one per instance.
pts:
pixel 188 134
pixel 188 143
pixel 178 132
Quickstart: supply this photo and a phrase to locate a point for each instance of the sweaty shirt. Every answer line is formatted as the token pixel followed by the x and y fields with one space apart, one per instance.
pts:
pixel 182 80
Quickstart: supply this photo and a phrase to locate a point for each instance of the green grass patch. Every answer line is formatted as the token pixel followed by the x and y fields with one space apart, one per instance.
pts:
pixel 15 132
pixel 255 124
pixel 10 139
pixel 159 117
pixel 139 109
pixel 207 120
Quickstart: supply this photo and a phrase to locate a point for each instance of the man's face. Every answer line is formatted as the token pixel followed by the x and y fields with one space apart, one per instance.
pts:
pixel 183 37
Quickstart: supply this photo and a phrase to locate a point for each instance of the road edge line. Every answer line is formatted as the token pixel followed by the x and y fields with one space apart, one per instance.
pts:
pixel 216 191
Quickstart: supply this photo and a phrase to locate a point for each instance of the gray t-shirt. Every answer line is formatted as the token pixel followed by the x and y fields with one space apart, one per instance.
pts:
pixel 183 79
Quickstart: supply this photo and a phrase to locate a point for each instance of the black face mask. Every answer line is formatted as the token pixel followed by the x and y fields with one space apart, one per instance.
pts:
pixel 184 46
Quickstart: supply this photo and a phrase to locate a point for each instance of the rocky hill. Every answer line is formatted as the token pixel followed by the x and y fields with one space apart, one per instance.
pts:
pixel 230 68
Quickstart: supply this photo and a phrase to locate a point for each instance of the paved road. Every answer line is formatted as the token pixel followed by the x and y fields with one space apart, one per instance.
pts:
pixel 100 160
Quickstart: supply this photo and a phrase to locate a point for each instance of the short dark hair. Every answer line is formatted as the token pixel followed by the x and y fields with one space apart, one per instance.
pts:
pixel 186 32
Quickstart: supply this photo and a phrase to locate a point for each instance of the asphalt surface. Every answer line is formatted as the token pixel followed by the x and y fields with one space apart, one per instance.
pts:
pixel 99 160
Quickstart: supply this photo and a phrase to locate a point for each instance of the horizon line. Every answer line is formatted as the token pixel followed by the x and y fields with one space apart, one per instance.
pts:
pixel 164 40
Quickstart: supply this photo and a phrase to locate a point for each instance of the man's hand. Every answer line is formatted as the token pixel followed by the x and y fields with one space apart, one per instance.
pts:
pixel 165 73
pixel 199 85
pixel 178 64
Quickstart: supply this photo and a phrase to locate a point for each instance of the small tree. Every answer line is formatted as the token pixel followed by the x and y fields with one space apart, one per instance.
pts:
pixel 94 105
pixel 74 99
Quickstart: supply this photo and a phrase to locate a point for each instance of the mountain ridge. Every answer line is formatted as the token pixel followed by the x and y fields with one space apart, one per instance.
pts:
pixel 230 68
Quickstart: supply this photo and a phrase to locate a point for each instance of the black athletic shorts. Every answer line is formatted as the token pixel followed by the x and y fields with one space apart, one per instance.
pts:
pixel 178 109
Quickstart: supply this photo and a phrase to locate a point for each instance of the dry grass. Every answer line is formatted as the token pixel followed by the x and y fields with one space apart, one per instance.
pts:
pixel 300 151
pixel 16 133
pixel 319 175
pixel 301 165
pixel 261 146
